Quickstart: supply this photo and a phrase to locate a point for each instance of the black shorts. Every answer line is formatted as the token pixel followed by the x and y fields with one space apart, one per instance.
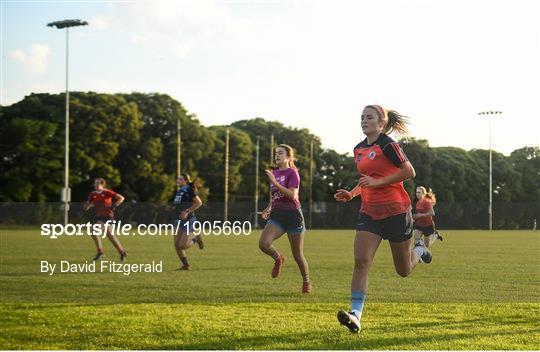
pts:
pixel 103 219
pixel 397 228
pixel 289 220
pixel 426 230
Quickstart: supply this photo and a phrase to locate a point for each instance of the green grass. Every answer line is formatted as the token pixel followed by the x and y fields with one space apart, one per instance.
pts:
pixel 480 292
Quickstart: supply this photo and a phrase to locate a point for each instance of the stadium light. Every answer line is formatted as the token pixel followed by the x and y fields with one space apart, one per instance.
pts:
pixel 490 114
pixel 66 192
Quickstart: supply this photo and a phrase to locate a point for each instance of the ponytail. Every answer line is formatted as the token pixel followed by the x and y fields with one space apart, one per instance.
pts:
pixel 428 193
pixel 192 184
pixel 394 121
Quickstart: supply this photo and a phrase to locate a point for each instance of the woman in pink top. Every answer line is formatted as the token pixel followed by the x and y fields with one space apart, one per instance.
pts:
pixel 284 214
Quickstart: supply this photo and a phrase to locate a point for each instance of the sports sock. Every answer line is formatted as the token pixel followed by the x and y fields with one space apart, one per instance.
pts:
pixel 419 250
pixel 357 302
pixel 184 260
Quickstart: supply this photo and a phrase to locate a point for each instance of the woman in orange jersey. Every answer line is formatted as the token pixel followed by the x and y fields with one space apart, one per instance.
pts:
pixel 386 207
pixel 423 217
pixel 104 201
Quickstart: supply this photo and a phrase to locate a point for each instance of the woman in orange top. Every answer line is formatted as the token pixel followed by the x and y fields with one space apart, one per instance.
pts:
pixel 386 207
pixel 423 218
pixel 104 201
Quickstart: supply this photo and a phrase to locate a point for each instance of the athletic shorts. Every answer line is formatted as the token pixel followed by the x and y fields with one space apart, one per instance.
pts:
pixel 103 219
pixel 290 221
pixel 426 230
pixel 397 228
pixel 185 226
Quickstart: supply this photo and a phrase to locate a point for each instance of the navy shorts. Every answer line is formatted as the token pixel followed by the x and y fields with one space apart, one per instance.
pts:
pixel 397 228
pixel 288 220
pixel 185 226
pixel 426 230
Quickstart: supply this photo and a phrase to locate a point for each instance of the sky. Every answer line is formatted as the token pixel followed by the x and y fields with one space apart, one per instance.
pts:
pixel 307 64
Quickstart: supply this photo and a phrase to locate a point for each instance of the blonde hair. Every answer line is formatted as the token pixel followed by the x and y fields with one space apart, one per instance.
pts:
pixel 428 193
pixel 393 120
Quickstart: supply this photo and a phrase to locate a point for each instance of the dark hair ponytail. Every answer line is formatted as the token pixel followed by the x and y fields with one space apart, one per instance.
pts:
pixel 192 184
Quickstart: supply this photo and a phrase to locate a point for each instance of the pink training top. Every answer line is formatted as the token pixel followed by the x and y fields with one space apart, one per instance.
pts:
pixel 288 178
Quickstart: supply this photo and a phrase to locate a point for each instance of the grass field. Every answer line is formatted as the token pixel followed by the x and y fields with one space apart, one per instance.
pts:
pixel 482 291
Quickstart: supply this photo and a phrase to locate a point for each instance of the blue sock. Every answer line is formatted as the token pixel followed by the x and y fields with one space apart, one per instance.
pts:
pixel 357 302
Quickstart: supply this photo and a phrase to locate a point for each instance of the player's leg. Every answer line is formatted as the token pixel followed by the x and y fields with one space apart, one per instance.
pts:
pixel 405 259
pixel 183 239
pixel 431 235
pixel 430 239
pixel 116 243
pixel 418 235
pixel 365 247
pixel 97 241
pixel 176 242
pixel 398 229
pixel 196 238
pixel 270 233
pixel 297 248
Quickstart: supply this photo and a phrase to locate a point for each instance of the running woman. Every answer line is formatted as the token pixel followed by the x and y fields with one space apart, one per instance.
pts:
pixel 423 218
pixel 385 212
pixel 104 201
pixel 185 202
pixel 284 214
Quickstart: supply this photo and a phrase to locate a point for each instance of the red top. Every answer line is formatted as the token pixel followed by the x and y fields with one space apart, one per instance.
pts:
pixel 423 206
pixel 380 159
pixel 102 201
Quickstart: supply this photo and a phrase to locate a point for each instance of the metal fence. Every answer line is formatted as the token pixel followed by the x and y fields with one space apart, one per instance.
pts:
pixel 458 215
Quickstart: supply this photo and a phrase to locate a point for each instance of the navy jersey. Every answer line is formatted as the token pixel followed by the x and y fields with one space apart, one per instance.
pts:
pixel 183 199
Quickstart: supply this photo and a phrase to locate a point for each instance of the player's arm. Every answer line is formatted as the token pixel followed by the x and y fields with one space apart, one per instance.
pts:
pixel 266 212
pixel 118 199
pixel 169 206
pixel 290 193
pixel 396 155
pixel 342 195
pixel 197 203
pixel 405 172
pixel 430 212
pixel 87 205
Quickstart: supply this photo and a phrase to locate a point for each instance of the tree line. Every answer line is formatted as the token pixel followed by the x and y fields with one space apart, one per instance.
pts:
pixel 130 140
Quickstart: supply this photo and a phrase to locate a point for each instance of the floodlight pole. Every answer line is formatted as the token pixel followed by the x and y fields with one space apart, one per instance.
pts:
pixel 311 185
pixel 178 149
pixel 66 192
pixel 256 219
pixel 490 114
pixel 226 188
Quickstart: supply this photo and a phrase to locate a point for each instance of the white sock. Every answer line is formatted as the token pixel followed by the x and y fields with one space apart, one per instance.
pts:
pixel 419 250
